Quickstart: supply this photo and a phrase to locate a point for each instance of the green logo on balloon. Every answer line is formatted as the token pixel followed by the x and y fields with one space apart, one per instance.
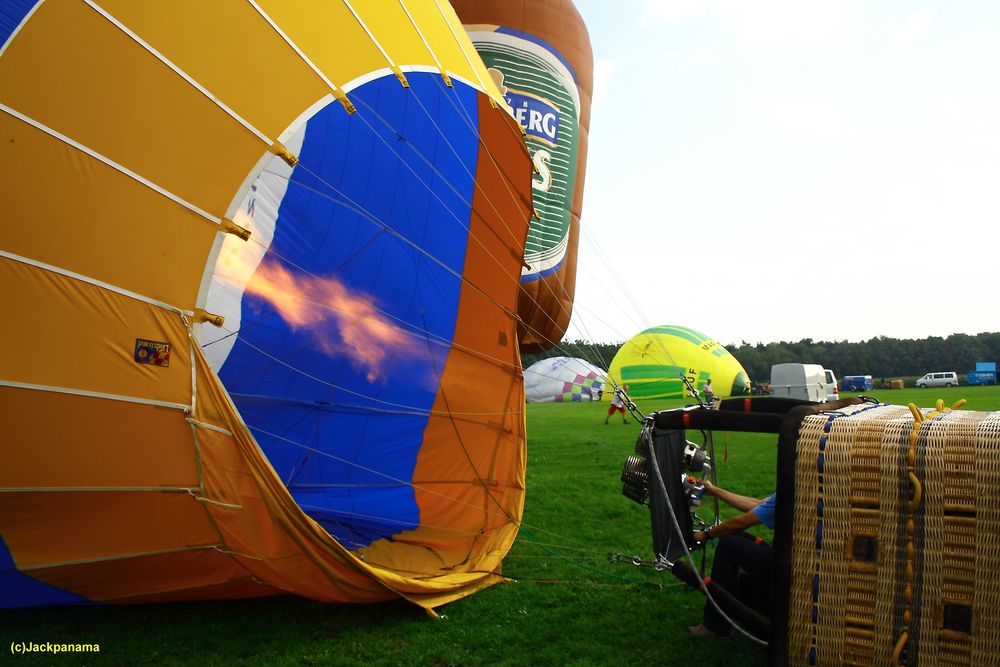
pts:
pixel 542 95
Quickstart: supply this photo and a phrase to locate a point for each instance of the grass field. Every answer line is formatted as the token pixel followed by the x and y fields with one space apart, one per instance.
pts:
pixel 567 605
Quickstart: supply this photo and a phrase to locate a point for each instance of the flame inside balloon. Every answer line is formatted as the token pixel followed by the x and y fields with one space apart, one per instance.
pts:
pixel 342 322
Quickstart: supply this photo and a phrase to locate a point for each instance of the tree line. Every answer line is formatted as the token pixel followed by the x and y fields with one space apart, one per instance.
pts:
pixel 879 357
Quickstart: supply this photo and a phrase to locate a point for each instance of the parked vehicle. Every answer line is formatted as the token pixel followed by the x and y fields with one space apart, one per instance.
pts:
pixel 980 377
pixel 803 381
pixel 938 379
pixel 832 392
pixel 857 383
pixel 985 373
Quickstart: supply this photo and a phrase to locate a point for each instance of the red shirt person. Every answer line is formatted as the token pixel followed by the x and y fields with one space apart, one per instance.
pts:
pixel 618 404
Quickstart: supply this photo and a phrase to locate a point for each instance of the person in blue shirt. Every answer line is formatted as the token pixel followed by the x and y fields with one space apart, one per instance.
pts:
pixel 735 554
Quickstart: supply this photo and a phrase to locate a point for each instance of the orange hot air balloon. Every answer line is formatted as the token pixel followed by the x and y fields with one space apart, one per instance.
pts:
pixel 264 258
pixel 538 52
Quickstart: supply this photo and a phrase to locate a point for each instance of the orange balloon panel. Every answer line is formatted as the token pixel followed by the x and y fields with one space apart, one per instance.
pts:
pixel 538 53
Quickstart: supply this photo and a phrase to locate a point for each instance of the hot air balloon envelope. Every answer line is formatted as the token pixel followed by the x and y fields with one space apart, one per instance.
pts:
pixel 538 52
pixel 563 380
pixel 652 362
pixel 265 257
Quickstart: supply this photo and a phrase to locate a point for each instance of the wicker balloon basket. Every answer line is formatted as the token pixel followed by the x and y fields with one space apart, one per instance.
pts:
pixel 895 539
pixel 887 534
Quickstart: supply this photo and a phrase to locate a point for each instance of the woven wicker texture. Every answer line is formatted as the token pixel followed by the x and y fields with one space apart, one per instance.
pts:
pixel 801 630
pixel 874 573
pixel 986 598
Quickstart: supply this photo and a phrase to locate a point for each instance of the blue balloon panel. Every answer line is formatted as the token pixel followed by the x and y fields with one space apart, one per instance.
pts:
pixel 375 223
pixel 12 13
pixel 19 590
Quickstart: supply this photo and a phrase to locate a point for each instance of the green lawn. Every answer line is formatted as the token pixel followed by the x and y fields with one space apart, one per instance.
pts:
pixel 568 605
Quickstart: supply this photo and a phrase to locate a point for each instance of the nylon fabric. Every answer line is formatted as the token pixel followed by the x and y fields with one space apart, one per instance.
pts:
pixel 360 436
pixel 652 362
pixel 83 338
pixel 126 104
pixel 539 54
pixel 234 54
pixel 316 217
pixel 27 590
pixel 12 13
pixel 111 228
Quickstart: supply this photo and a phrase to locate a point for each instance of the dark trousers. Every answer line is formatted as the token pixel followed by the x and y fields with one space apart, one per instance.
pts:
pixel 743 567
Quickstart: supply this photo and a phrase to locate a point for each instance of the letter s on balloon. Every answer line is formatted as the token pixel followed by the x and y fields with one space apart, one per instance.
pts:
pixel 541 159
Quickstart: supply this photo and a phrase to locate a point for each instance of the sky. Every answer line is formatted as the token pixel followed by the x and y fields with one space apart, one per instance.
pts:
pixel 784 169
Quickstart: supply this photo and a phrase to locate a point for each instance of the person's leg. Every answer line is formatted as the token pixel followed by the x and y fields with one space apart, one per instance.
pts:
pixel 755 588
pixel 735 553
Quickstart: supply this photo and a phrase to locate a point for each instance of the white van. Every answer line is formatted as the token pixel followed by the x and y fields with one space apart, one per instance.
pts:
pixel 832 393
pixel 940 379
pixel 806 382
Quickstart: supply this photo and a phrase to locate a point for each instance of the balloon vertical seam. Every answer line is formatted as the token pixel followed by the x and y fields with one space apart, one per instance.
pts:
pixel 444 74
pixel 385 54
pixel 95 282
pixel 96 394
pixel 178 71
pixel 337 91
pixel 461 47
pixel 111 163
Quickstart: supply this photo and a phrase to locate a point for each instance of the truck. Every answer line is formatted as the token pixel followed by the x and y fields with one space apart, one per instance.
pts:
pixel 985 373
pixel 856 383
pixel 803 381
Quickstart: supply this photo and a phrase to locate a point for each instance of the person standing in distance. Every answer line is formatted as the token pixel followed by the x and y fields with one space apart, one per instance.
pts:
pixel 618 404
pixel 709 394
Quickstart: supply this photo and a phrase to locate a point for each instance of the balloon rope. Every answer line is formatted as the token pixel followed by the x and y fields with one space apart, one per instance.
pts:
pixel 578 563
pixel 562 299
pixel 337 91
pixel 339 94
pixel 341 197
pixel 687 551
pixel 409 409
pixel 462 43
pixel 565 297
pixel 179 72
pixel 637 318
pixel 395 481
pixel 516 243
pixel 435 195
pixel 463 115
pixel 462 112
pixel 374 220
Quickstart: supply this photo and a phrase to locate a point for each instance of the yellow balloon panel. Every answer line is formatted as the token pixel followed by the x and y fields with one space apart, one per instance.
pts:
pixel 231 51
pixel 122 103
pixel 107 225
pixel 652 362
pixel 81 338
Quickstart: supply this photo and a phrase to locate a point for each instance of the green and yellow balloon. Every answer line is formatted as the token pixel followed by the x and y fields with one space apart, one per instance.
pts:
pixel 652 362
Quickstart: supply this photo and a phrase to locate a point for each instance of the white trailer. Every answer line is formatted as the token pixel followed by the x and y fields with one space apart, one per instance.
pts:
pixel 803 381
